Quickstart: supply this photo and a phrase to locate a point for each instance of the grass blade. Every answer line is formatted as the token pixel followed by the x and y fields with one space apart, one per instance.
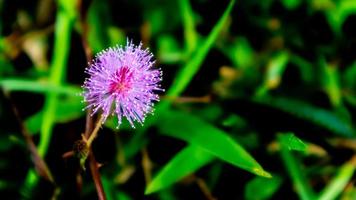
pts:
pixel 38 87
pixel 195 131
pixel 339 182
pixel 184 163
pixel 295 172
pixel 188 71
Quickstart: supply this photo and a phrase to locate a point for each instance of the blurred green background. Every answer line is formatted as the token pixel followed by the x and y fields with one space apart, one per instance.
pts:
pixel 260 99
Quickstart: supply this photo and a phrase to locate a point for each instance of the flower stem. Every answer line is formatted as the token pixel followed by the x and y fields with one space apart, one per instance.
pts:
pixel 95 131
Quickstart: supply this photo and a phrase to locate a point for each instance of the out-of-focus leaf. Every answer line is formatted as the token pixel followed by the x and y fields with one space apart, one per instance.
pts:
pixel 339 182
pixel 349 193
pixel 190 34
pixel 305 68
pixel 209 113
pixel 6 67
pixel 293 167
pixel 318 116
pixel 195 131
pixel 38 87
pixel 99 21
pixel 116 36
pixel 67 110
pixel 162 16
pixel 330 81
pixel 111 191
pixel 240 52
pixel 168 49
pixel 274 73
pixel 291 4
pixel 292 142
pixel 349 77
pixel 260 188
pixel 5 143
pixel 184 163
pixel 338 13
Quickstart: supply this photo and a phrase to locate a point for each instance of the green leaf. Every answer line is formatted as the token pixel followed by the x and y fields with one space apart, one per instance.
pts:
pixel 38 87
pixel 111 191
pixel 295 171
pixel 195 131
pixel 260 188
pixel 274 73
pixel 168 49
pixel 338 13
pixel 315 115
pixel 184 163
pixel 241 53
pixel 116 35
pixel 349 77
pixel 292 142
pixel 339 182
pixel 330 82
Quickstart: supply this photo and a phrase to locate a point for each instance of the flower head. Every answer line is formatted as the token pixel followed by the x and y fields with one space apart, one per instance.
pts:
pixel 122 82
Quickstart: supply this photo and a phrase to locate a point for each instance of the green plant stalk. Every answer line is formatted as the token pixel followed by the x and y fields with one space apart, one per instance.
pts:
pixel 339 182
pixel 295 172
pixel 61 51
pixel 63 28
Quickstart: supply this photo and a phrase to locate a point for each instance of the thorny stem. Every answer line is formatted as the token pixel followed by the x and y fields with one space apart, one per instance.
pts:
pixel 96 176
pixel 93 165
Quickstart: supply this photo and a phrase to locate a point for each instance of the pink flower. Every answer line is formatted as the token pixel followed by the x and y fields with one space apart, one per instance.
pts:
pixel 122 82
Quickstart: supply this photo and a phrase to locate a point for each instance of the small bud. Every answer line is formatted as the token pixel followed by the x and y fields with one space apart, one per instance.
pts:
pixel 81 151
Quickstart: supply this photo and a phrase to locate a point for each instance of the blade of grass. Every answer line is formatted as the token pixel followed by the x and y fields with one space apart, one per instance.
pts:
pixel 38 87
pixel 195 131
pixel 295 172
pixel 186 74
pixel 318 116
pixel 274 73
pixel 339 182
pixel 63 28
pixel 184 163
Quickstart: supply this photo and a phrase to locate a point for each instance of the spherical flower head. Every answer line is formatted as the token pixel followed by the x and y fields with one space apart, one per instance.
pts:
pixel 123 82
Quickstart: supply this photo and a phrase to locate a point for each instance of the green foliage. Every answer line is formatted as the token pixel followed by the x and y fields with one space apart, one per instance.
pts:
pixel 260 188
pixel 193 130
pixel 292 142
pixel 186 162
pixel 318 116
pixel 187 72
pixel 339 182
pixel 42 87
pixel 295 171
pixel 290 59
